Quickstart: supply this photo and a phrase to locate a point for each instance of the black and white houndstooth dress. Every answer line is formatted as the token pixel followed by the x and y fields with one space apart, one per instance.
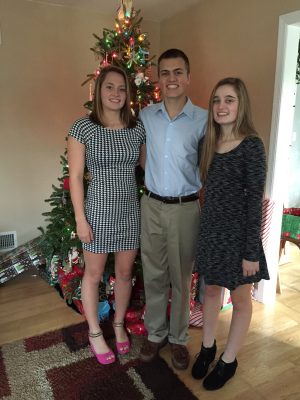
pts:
pixel 230 221
pixel 111 205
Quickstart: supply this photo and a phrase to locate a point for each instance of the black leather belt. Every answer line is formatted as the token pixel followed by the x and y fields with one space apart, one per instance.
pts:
pixel 172 200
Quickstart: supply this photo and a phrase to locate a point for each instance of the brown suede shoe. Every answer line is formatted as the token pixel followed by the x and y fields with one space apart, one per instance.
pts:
pixel 180 356
pixel 150 349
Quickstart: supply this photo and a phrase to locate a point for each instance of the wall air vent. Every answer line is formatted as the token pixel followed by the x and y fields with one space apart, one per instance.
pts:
pixel 8 241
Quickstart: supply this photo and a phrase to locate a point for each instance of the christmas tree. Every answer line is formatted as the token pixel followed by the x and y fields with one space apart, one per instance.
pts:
pixel 60 235
pixel 127 47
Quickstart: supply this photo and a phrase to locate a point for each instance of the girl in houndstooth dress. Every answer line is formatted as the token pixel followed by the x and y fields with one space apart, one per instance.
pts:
pixel 110 142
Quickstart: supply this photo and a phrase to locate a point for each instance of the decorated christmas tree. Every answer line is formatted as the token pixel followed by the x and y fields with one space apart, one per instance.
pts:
pixel 60 234
pixel 127 47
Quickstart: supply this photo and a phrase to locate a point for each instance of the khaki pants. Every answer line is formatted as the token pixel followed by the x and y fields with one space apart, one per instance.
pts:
pixel 168 245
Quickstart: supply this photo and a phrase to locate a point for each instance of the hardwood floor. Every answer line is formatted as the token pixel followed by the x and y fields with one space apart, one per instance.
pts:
pixel 29 306
pixel 269 362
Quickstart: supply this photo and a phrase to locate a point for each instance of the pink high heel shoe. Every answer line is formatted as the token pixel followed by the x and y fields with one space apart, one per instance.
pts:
pixel 122 347
pixel 104 358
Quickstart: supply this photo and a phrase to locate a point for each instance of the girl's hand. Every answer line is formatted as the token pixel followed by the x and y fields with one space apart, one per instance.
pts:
pixel 250 267
pixel 84 231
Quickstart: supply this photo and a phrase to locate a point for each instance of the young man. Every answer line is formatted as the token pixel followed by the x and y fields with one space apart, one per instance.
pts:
pixel 170 208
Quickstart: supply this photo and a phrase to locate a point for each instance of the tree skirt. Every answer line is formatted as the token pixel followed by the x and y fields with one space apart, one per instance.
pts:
pixel 59 365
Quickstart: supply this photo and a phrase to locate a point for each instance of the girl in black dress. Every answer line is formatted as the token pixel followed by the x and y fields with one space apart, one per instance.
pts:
pixel 229 252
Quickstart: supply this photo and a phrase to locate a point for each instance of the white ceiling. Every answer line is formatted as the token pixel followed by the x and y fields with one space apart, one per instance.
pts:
pixel 155 10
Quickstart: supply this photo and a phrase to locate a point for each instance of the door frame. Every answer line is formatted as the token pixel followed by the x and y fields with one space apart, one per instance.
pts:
pixel 282 125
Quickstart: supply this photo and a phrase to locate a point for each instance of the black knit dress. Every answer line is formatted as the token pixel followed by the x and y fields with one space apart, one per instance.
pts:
pixel 231 217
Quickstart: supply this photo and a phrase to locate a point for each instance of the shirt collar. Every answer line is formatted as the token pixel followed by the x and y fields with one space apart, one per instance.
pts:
pixel 187 109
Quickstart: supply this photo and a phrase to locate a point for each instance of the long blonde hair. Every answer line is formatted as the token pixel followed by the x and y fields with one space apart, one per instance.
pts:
pixel 243 125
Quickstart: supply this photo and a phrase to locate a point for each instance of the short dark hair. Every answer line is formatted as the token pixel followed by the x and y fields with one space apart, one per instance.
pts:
pixel 174 53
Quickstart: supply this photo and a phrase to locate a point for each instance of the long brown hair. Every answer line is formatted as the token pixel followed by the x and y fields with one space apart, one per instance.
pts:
pixel 126 116
pixel 243 125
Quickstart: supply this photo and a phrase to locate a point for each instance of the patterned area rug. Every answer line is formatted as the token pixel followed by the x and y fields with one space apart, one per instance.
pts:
pixel 59 365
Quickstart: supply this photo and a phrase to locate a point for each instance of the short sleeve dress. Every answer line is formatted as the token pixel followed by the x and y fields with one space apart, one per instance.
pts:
pixel 230 222
pixel 111 205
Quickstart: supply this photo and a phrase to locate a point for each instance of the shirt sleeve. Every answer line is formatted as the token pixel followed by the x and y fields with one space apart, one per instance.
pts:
pixel 77 132
pixel 255 177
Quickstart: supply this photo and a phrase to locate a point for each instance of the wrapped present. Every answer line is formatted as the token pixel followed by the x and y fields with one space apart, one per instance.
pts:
pixel 292 211
pixel 18 260
pixel 194 285
pixel 290 226
pixel 267 213
pixel 196 315
pixel 49 270
pixel 70 282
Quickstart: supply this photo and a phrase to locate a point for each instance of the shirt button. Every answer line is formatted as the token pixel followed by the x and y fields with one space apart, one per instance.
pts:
pixel 166 156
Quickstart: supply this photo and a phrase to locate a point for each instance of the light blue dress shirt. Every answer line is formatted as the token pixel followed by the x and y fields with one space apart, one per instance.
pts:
pixel 172 167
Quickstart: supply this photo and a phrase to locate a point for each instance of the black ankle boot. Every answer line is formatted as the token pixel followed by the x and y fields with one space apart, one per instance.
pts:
pixel 205 357
pixel 220 374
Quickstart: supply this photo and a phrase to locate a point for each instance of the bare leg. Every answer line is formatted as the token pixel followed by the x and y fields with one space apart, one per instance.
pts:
pixel 240 321
pixel 123 269
pixel 211 309
pixel 94 267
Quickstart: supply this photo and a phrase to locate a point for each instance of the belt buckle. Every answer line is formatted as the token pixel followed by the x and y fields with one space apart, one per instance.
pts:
pixel 172 200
